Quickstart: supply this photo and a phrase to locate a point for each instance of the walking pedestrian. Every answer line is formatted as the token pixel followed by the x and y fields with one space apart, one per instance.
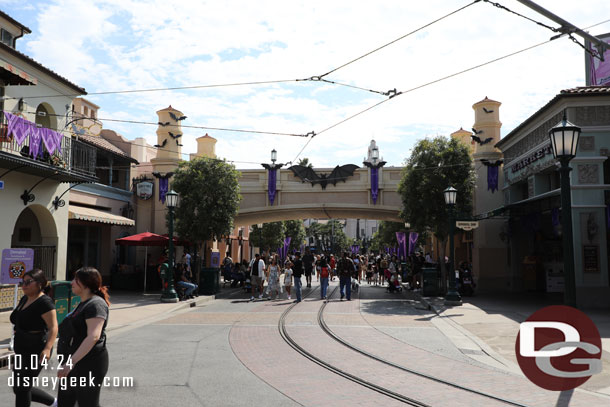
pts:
pixel 308 264
pixel 273 278
pixel 82 342
pixel 333 265
pixel 288 278
pixel 345 269
pixel 257 276
pixel 297 272
pixel 324 275
pixel 35 322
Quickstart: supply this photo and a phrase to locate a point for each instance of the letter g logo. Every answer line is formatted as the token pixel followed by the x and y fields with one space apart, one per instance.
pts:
pixel 554 345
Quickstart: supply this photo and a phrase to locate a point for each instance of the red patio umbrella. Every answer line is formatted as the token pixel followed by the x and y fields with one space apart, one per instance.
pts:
pixel 144 239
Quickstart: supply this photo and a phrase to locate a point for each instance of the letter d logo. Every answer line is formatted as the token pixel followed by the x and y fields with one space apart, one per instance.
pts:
pixel 564 336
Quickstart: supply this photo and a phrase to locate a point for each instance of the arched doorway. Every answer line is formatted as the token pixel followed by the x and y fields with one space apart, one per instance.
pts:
pixel 35 228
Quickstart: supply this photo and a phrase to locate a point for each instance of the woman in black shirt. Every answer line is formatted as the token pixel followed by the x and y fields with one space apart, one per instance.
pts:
pixel 82 341
pixel 35 324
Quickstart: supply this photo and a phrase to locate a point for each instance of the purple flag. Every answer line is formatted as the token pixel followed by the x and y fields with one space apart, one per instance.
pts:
pixel 412 241
pixel 374 184
pixel 163 187
pixel 608 216
pixel 402 244
pixel 272 178
pixel 492 178
pixel 286 245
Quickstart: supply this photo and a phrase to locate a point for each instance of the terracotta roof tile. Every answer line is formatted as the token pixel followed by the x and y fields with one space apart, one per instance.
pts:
pixel 104 144
pixel 587 90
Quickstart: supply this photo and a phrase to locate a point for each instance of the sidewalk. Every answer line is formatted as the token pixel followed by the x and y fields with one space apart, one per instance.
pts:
pixel 127 310
pixel 485 328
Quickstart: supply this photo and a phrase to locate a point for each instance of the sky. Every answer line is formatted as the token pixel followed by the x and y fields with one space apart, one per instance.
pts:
pixel 116 45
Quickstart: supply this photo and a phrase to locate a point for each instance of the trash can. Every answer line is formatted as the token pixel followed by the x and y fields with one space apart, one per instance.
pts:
pixel 430 283
pixel 60 292
pixel 209 280
pixel 74 301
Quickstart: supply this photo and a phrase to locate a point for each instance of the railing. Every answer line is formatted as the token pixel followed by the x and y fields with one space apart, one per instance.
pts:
pixel 75 156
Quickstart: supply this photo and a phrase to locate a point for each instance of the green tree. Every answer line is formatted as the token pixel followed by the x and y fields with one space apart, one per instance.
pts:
pixel 209 199
pixel 305 162
pixel 434 165
pixel 296 230
pixel 269 237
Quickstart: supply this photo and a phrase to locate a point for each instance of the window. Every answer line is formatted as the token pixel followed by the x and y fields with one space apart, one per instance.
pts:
pixel 7 37
pixel 374 230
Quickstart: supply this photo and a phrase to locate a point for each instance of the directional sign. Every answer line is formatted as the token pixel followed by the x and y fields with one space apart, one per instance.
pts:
pixel 1 184
pixel 467 224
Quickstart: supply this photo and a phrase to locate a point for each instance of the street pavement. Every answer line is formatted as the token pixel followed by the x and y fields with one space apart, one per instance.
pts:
pixel 228 352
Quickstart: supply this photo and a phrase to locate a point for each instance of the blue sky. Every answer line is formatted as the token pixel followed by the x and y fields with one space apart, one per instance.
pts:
pixel 129 44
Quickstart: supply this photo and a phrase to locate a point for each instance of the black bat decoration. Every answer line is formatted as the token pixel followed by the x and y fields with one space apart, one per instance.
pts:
pixel 378 165
pixel 157 174
pixel 308 174
pixel 164 124
pixel 178 144
pixel 488 163
pixel 270 167
pixel 475 131
pixel 162 144
pixel 481 142
pixel 487 111
pixel 174 137
pixel 176 118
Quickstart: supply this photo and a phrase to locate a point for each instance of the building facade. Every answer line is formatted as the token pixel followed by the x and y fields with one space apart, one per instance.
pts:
pixel 531 192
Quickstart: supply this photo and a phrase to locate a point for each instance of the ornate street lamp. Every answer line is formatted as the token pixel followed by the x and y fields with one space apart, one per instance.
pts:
pixel 452 297
pixel 273 156
pixel 169 293
pixel 375 155
pixel 564 140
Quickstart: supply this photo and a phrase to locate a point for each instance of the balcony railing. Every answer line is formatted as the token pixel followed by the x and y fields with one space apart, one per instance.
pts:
pixel 75 156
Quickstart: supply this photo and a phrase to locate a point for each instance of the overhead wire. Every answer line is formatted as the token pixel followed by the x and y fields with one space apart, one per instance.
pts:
pixel 399 93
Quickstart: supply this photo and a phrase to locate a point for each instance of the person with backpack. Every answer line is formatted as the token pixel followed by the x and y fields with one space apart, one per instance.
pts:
pixel 324 275
pixel 345 269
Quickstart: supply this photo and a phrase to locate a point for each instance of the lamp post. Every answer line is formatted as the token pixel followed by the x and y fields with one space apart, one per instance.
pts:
pixel 564 141
pixel 169 294
pixel 260 238
pixel 375 155
pixel 273 156
pixel 452 297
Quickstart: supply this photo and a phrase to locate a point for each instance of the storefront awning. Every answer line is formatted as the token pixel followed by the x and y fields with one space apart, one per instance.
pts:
pixel 15 76
pixel 94 215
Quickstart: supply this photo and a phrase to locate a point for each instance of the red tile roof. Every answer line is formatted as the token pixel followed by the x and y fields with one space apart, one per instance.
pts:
pixel 104 144
pixel 587 90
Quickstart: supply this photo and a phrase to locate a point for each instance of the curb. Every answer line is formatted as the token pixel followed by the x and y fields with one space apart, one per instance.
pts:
pixel 181 305
pixel 483 347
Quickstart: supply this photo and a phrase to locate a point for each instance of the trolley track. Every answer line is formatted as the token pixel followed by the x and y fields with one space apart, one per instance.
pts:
pixel 363 382
pixel 329 332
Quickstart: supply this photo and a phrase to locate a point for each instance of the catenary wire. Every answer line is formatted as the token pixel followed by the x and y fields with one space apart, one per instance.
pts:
pixel 396 40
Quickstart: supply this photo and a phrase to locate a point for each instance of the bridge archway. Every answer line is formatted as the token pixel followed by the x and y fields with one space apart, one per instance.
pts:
pixel 299 200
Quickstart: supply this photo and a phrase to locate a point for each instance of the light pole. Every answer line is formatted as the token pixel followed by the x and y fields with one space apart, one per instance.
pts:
pixel 260 238
pixel 564 140
pixel 169 294
pixel 452 297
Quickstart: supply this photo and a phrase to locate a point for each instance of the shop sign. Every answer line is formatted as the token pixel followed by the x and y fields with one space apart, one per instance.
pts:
pixel 467 225
pixel 144 190
pixel 15 262
pixel 530 164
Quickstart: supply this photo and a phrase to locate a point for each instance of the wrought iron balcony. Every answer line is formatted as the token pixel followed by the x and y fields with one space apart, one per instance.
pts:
pixel 73 157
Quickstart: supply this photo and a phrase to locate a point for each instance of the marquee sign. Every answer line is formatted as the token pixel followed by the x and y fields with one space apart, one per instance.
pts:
pixel 531 163
pixel 144 190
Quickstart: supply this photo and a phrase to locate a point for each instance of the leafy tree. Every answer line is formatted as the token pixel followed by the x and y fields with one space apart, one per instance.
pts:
pixel 305 162
pixel 386 235
pixel 434 165
pixel 209 199
pixel 296 230
pixel 332 231
pixel 269 237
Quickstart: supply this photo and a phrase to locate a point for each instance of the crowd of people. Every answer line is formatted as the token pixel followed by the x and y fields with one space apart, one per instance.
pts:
pixel 351 269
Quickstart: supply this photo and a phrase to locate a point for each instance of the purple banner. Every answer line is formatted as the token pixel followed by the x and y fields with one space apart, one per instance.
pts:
pixel 599 71
pixel 402 244
pixel 374 184
pixel 412 241
pixel 163 188
pixel 286 246
pixel 272 178
pixel 492 178
pixel 21 128
pixel 608 216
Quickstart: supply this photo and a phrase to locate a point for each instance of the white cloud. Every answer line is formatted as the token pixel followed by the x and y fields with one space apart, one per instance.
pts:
pixel 129 44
